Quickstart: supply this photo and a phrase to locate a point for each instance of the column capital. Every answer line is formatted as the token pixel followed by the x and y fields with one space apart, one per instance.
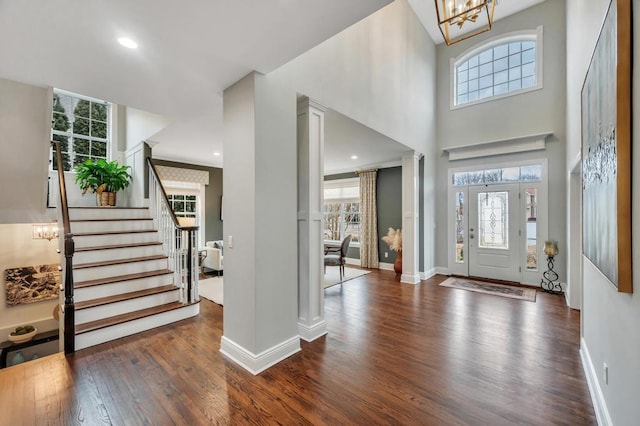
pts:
pixel 305 102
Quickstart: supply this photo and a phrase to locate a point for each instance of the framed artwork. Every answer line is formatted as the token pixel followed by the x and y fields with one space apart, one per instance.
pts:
pixel 31 284
pixel 606 149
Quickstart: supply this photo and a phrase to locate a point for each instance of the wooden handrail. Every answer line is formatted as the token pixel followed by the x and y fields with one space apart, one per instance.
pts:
pixel 166 200
pixel 69 250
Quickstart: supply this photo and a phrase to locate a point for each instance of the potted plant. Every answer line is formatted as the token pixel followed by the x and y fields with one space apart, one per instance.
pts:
pixel 105 178
pixel 394 240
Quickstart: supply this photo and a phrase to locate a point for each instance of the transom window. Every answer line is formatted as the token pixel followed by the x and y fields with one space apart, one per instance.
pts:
pixel 342 210
pixel 81 125
pixel 529 173
pixel 498 68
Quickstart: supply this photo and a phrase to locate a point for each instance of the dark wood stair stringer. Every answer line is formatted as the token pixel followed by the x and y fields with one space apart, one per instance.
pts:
pixel 130 316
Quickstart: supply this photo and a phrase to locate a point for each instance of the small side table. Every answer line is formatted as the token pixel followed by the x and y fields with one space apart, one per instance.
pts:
pixel 6 347
pixel 549 281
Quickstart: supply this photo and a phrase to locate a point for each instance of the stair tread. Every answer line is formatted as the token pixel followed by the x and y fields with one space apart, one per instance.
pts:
pixel 118 261
pixel 110 220
pixel 120 278
pixel 130 316
pixel 109 208
pixel 118 246
pixel 124 296
pixel 85 234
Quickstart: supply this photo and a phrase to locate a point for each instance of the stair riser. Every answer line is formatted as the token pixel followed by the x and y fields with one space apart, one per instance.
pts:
pixel 111 225
pixel 107 213
pixel 117 308
pixel 107 334
pixel 105 290
pixel 113 254
pixel 87 274
pixel 107 240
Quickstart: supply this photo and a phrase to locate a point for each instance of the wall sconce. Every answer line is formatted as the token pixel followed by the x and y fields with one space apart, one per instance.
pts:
pixel 45 231
pixel 549 281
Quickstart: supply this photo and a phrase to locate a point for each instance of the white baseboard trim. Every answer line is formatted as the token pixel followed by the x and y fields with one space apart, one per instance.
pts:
pixel 255 364
pixel 410 278
pixel 385 266
pixel 597 397
pixel 352 261
pixel 427 274
pixel 311 333
pixel 441 270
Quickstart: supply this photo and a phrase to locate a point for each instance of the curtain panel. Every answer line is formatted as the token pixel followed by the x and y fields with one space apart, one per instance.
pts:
pixel 368 219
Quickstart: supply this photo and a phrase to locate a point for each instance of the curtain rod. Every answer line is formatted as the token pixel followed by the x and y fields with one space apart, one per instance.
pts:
pixel 365 171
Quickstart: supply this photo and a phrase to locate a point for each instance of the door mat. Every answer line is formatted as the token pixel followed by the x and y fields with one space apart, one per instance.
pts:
pixel 503 290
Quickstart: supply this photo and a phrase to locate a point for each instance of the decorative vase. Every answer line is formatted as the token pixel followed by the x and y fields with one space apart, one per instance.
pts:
pixel 106 199
pixel 397 265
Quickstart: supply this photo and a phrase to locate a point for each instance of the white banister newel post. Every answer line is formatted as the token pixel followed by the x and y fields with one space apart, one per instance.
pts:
pixel 311 322
pixel 410 217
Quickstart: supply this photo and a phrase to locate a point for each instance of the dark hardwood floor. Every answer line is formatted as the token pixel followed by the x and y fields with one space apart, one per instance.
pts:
pixel 395 354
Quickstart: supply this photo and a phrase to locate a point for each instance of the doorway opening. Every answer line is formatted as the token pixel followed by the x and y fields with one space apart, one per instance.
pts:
pixel 498 221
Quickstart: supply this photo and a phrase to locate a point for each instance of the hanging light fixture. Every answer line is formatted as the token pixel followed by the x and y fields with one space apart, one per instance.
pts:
pixel 461 19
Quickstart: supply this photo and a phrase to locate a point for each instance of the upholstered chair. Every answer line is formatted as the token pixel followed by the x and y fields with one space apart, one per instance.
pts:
pixel 336 256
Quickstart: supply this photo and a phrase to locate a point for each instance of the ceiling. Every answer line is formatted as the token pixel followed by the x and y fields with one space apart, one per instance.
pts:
pixel 186 57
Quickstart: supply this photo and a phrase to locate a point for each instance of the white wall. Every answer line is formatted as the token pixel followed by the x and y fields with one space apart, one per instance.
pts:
pixel 140 126
pixel 609 319
pixel 18 249
pixel 25 134
pixel 379 72
pixel 530 113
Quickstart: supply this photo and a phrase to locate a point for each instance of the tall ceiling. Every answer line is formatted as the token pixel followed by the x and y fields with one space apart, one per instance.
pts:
pixel 188 53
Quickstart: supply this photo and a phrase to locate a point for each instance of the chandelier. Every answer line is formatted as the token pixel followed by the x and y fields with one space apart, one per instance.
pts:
pixel 461 19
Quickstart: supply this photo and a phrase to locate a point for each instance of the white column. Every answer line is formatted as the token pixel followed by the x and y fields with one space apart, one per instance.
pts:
pixel 260 226
pixel 410 217
pixel 311 322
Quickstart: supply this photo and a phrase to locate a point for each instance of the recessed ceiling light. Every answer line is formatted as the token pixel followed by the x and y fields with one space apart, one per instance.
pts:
pixel 217 154
pixel 127 42
pixel 354 157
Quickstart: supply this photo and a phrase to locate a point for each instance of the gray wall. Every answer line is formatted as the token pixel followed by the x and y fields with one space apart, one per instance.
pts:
pixel 534 112
pixel 213 194
pixel 388 204
pixel 609 319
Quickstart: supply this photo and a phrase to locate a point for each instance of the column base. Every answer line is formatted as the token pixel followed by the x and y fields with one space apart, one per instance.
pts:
pixel 309 333
pixel 410 278
pixel 257 363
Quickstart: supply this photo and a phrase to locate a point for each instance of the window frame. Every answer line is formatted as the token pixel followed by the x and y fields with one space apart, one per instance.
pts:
pixel 340 183
pixel 535 35
pixel 72 136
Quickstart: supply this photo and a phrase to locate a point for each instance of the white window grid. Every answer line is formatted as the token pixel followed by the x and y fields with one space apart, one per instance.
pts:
pixel 502 66
pixel 72 156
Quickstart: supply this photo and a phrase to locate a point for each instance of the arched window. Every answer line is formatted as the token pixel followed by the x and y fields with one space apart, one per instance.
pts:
pixel 503 66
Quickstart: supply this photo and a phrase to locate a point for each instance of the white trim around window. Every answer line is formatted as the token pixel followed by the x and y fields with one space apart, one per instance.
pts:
pixel 526 35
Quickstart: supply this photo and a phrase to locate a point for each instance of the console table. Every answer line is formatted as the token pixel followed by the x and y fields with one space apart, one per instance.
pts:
pixel 6 347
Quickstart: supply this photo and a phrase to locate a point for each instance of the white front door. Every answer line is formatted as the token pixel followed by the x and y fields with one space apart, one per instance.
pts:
pixel 494 231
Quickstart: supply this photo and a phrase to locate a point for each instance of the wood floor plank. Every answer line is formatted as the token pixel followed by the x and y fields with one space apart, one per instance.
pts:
pixel 394 354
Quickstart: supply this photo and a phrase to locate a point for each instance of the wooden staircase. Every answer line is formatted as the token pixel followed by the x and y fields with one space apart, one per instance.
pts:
pixel 122 281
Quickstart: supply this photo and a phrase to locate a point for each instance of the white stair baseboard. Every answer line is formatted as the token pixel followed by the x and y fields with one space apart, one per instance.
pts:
pixel 107 334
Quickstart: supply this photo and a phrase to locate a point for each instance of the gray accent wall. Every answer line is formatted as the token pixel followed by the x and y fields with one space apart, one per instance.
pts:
pixel 389 205
pixel 535 112
pixel 213 196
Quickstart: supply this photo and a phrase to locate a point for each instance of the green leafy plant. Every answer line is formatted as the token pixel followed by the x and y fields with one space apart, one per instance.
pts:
pixel 102 176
